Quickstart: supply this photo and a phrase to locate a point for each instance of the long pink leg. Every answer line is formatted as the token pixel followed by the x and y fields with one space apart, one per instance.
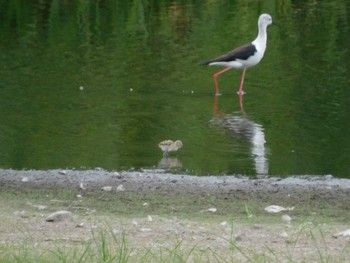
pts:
pixel 216 75
pixel 241 103
pixel 240 92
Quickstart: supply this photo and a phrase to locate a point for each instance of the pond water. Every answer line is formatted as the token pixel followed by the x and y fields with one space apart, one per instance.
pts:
pixel 86 84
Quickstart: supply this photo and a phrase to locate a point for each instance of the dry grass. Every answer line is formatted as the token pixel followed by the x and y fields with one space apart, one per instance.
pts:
pixel 154 233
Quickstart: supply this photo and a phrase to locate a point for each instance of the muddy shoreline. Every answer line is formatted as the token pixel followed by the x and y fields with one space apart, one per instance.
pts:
pixel 153 208
pixel 294 188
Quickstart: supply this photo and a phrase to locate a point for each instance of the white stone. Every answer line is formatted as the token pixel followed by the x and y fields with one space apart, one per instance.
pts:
pixel 107 188
pixel 277 209
pixel 120 188
pixel 59 216
pixel 81 186
pixel 345 233
pixel 284 235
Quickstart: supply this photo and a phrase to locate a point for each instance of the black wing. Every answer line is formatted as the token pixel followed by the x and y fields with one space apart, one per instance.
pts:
pixel 243 52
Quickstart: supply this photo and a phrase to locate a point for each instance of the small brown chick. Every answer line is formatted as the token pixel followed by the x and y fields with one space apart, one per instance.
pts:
pixel 170 146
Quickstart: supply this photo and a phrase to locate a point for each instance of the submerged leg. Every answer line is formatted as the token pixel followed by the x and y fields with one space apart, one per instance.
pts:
pixel 240 92
pixel 216 75
pixel 241 104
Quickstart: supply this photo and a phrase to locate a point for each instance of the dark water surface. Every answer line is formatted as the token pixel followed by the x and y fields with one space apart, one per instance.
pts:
pixel 87 84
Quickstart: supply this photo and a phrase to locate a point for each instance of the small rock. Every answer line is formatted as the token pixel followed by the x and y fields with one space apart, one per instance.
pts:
pixel 145 204
pixel 144 229
pixel 345 233
pixel 79 196
pixel 63 172
pixel 283 234
pixel 120 188
pixel 277 209
pixel 59 216
pixel 40 207
pixel 81 186
pixel 24 179
pixel 224 223
pixel 149 218
pixel 328 177
pixel 80 225
pixel 212 209
pixel 107 188
pixel 286 218
pixel 240 237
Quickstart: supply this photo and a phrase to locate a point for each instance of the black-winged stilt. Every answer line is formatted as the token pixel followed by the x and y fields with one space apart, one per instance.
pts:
pixel 245 56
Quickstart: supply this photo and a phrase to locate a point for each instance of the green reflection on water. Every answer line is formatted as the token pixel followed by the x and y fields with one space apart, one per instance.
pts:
pixel 100 84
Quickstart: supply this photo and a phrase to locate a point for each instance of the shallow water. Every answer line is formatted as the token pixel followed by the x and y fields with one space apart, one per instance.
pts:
pixel 99 84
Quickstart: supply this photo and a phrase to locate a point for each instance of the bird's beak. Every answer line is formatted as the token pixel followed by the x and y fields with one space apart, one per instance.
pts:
pixel 274 24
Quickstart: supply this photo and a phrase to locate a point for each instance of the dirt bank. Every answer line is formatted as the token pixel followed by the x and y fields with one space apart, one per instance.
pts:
pixel 296 188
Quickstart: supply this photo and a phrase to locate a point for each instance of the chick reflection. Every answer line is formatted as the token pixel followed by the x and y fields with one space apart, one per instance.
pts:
pixel 169 163
pixel 254 132
pixel 168 146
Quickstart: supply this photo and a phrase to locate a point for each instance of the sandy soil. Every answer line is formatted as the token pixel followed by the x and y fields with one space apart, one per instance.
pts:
pixel 227 237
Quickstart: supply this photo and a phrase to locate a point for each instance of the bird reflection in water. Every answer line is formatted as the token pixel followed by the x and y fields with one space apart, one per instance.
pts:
pixel 168 146
pixel 253 132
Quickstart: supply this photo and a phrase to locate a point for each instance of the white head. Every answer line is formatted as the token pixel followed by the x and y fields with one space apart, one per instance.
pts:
pixel 264 20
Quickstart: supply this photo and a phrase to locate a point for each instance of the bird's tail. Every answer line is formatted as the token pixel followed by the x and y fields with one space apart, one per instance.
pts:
pixel 205 62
